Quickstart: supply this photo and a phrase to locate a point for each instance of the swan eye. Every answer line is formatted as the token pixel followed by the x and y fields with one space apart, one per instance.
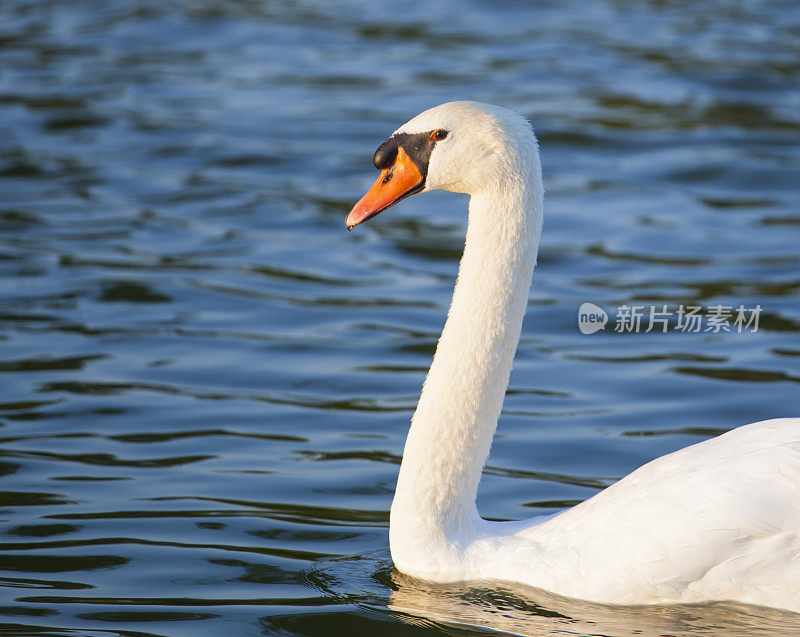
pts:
pixel 438 135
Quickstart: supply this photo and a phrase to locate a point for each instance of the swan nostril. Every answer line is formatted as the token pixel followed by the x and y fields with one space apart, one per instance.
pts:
pixel 388 178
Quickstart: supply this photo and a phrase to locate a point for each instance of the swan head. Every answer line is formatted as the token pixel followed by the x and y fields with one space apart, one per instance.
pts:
pixel 458 146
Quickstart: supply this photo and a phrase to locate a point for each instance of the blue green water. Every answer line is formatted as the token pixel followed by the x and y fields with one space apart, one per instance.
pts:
pixel 206 382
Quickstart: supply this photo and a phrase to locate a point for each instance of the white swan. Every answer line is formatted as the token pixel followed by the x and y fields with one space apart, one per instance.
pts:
pixel 719 520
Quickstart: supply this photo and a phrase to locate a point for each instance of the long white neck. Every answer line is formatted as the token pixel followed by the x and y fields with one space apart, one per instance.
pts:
pixel 452 428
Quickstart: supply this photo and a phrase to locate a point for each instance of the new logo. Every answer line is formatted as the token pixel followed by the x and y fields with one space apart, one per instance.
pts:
pixel 591 318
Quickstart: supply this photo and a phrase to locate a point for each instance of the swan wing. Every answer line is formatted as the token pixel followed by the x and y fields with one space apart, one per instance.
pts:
pixel 716 520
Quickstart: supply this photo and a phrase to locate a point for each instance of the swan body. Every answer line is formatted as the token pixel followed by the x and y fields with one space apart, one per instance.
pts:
pixel 719 520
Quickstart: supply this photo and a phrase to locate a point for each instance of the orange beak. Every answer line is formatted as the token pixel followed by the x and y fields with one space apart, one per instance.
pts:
pixel 393 184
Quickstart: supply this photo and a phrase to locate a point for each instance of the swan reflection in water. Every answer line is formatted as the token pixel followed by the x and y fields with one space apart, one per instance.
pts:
pixel 500 607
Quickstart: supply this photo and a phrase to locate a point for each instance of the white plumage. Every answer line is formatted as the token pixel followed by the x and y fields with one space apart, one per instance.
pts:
pixel 719 520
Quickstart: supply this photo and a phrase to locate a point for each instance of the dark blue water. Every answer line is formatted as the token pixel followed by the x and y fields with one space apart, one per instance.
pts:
pixel 207 382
